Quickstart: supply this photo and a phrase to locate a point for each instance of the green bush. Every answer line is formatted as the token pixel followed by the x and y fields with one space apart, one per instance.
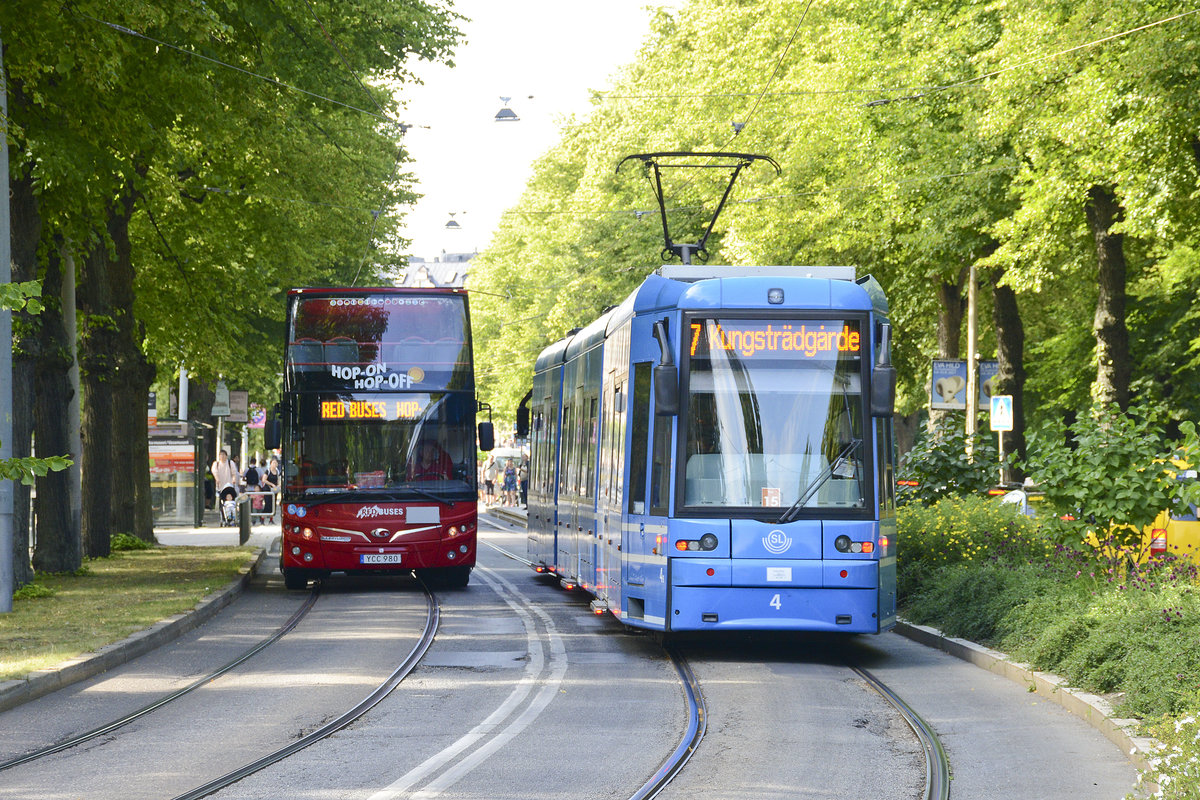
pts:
pixel 975 569
pixel 939 465
pixel 962 529
pixel 1110 482
pixel 1176 769
pixel 33 591
pixel 124 541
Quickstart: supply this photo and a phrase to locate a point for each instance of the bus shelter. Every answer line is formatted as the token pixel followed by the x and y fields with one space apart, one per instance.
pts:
pixel 176 474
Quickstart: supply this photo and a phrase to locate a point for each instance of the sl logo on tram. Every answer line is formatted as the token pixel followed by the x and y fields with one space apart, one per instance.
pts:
pixel 777 542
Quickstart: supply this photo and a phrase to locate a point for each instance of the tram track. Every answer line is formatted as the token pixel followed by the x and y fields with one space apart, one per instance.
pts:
pixel 410 662
pixel 937 767
pixel 937 763
pixel 696 713
pixel 120 722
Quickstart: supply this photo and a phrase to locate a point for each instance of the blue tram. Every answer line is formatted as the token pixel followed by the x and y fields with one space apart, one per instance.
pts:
pixel 716 453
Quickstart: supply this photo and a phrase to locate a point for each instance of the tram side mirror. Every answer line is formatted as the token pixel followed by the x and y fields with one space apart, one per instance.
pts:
pixel 487 436
pixel 666 390
pixel 522 422
pixel 883 376
pixel 273 430
pixel 883 390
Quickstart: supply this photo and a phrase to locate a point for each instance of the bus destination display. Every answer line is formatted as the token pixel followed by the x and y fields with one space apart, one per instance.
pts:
pixel 382 409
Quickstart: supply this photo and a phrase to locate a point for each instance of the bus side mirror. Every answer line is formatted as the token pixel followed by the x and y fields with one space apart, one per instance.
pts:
pixel 522 423
pixel 487 436
pixel 666 390
pixel 883 390
pixel 273 430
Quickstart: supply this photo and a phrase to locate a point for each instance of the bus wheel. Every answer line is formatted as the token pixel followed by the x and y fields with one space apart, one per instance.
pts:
pixel 295 579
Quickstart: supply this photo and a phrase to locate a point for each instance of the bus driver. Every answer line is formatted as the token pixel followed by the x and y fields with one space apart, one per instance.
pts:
pixel 431 462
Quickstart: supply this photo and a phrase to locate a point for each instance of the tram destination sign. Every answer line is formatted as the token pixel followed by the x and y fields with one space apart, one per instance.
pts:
pixel 752 339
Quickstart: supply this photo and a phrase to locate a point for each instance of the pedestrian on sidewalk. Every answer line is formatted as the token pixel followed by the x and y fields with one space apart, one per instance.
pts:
pixel 225 477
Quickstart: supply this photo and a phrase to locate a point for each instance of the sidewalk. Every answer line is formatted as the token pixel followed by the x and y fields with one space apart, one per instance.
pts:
pixel 213 534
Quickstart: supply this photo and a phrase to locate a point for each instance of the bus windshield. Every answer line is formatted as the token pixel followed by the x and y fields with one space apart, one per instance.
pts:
pixel 775 416
pixel 379 341
pixel 411 444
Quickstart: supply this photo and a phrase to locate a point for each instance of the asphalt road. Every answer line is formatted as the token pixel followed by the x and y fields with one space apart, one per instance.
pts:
pixel 526 694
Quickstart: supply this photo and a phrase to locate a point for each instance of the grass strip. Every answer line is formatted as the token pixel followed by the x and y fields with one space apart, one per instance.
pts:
pixel 62 616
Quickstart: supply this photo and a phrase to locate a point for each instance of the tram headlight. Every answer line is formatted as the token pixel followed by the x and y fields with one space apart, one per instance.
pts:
pixel 453 531
pixel 842 543
pixel 307 533
pixel 708 541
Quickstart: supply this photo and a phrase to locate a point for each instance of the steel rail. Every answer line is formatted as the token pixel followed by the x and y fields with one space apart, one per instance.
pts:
pixel 410 662
pixel 937 763
pixel 162 701
pixel 697 724
pixel 697 715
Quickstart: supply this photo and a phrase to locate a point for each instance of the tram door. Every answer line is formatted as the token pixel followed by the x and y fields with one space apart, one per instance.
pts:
pixel 608 530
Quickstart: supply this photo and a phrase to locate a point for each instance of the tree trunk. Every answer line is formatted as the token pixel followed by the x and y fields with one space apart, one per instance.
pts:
pixel 132 509
pixel 952 302
pixel 97 343
pixel 1113 369
pixel 59 546
pixel 1010 378
pixel 26 224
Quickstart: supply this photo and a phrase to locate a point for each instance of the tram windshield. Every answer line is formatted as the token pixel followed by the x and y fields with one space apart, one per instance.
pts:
pixel 775 415
pixel 396 446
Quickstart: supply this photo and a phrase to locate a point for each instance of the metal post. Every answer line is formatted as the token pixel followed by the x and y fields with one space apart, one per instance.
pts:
pixel 6 341
pixel 182 512
pixel 972 369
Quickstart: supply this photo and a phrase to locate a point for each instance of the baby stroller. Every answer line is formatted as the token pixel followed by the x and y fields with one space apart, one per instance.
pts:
pixel 227 502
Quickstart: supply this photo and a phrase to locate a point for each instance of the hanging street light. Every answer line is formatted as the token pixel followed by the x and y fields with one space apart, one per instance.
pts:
pixel 506 114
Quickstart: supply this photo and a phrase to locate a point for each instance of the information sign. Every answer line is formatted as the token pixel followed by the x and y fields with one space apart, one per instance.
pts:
pixel 1002 412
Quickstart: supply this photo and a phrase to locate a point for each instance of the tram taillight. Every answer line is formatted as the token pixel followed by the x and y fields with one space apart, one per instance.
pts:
pixel 843 545
pixel 706 542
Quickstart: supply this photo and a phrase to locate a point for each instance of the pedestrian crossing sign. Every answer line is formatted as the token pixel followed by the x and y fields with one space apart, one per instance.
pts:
pixel 1002 412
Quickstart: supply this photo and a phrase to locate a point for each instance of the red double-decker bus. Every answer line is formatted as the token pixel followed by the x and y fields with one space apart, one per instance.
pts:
pixel 378 431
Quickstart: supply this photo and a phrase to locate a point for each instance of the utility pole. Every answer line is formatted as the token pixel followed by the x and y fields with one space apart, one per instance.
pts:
pixel 972 369
pixel 6 398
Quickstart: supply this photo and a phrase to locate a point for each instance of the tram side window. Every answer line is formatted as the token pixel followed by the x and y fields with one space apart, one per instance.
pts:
pixel 568 448
pixel 660 479
pixel 886 477
pixel 641 435
pixel 589 449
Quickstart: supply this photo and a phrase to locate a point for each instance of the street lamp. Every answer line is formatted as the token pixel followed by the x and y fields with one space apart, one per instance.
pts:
pixel 506 114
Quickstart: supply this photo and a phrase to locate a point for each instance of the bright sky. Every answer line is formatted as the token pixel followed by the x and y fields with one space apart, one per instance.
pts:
pixel 543 54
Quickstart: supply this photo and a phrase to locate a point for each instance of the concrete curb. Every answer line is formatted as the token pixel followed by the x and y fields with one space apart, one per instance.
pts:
pixel 41 682
pixel 1091 708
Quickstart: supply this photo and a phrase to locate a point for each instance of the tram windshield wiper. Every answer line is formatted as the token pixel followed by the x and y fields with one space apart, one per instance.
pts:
pixel 836 467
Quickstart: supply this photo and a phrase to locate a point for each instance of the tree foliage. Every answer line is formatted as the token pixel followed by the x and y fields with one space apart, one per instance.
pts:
pixel 916 139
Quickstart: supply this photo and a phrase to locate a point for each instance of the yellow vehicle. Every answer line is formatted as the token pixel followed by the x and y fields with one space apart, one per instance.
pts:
pixel 1178 534
pixel 1175 534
